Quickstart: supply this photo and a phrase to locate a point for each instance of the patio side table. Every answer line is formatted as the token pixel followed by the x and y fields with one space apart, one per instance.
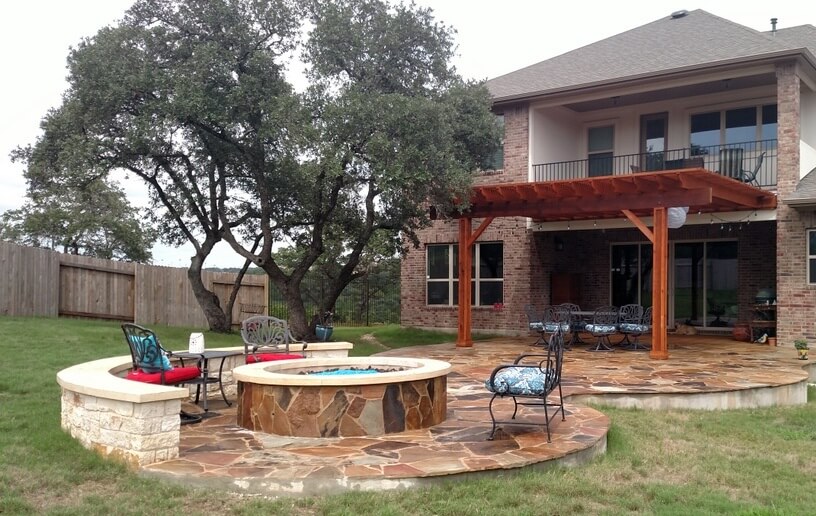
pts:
pixel 206 377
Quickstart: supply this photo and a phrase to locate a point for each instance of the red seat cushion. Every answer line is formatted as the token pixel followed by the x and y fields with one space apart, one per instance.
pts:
pixel 268 357
pixel 175 375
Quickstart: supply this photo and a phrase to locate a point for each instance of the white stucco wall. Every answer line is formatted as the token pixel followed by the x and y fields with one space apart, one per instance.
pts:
pixel 807 144
pixel 559 133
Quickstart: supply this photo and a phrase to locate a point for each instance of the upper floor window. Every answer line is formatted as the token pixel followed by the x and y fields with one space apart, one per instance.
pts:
pixel 733 126
pixel 600 149
pixel 496 160
pixel 487 274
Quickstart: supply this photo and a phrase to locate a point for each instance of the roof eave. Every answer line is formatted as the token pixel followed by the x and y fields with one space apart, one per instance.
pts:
pixel 802 53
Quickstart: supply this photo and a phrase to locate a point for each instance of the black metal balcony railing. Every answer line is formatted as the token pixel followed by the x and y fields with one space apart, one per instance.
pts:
pixel 736 160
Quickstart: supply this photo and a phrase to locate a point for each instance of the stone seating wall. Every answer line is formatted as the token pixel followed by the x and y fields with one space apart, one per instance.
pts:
pixel 138 423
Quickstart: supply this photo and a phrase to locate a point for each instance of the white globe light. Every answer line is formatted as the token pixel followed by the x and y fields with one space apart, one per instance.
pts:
pixel 676 217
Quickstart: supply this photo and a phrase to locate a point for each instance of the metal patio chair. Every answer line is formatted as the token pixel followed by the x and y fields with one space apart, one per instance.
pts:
pixel 535 323
pixel 750 176
pixel 604 324
pixel 534 378
pixel 267 338
pixel 151 364
pixel 631 324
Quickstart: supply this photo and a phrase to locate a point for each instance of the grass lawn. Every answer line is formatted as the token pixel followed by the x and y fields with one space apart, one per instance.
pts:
pixel 678 462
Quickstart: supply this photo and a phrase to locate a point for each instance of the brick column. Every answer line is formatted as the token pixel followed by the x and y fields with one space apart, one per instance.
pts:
pixel 796 300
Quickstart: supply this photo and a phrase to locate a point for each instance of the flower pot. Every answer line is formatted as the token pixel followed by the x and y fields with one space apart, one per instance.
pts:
pixel 803 354
pixel 741 332
pixel 323 332
pixel 772 341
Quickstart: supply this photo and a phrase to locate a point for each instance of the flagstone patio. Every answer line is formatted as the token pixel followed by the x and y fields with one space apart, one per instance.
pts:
pixel 702 373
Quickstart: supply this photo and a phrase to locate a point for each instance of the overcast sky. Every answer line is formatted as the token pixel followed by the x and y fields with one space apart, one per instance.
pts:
pixel 493 38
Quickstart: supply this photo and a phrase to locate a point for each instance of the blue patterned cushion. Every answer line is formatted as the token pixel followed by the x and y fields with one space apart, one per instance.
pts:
pixel 536 326
pixel 520 381
pixel 553 327
pixel 602 328
pixel 632 328
pixel 151 358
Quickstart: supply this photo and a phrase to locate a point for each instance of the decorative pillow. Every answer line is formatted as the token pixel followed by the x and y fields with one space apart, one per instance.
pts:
pixel 521 381
pixel 151 358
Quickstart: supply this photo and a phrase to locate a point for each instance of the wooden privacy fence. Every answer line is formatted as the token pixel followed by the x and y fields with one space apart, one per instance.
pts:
pixel 39 282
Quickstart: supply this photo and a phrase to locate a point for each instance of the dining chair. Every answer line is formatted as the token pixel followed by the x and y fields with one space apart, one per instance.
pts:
pixel 576 324
pixel 604 324
pixel 535 323
pixel 630 324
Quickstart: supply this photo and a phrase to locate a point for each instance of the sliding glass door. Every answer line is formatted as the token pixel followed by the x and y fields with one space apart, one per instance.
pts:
pixel 631 272
pixel 705 283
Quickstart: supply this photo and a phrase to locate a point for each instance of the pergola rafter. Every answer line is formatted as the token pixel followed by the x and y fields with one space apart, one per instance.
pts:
pixel 633 196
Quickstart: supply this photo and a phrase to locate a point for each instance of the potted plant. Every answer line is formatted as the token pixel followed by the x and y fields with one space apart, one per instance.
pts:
pixel 801 346
pixel 324 327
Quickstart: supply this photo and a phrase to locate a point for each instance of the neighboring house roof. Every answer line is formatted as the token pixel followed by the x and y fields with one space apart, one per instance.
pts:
pixel 805 194
pixel 696 39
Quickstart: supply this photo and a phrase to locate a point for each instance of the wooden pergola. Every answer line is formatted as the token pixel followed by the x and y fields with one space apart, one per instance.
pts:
pixel 633 196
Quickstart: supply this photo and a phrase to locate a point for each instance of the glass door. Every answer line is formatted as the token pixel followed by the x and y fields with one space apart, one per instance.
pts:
pixel 705 283
pixel 653 140
pixel 631 274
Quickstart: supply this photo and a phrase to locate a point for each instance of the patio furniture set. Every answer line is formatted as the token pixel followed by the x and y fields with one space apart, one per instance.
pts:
pixel 532 380
pixel 265 339
pixel 627 323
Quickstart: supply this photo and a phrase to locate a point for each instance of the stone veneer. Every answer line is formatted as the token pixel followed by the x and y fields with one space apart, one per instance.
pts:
pixel 279 398
pixel 347 411
pixel 132 422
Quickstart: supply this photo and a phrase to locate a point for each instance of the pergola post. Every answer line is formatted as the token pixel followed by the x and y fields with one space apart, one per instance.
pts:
pixel 660 282
pixel 463 338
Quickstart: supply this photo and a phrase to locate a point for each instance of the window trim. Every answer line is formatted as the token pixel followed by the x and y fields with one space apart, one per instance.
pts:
pixel 453 278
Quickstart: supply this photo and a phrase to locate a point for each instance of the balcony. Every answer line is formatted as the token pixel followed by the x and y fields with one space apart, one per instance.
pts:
pixel 736 160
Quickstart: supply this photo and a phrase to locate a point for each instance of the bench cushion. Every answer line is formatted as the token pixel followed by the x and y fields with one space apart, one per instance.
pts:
pixel 269 357
pixel 175 375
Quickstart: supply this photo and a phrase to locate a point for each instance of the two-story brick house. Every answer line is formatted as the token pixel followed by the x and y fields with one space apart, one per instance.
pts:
pixel 622 120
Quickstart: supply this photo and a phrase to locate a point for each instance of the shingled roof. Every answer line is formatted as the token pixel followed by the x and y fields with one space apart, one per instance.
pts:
pixel 805 194
pixel 669 44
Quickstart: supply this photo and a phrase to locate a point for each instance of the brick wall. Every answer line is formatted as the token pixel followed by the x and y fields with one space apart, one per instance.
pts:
pixel 796 300
pixel 531 259
pixel 770 255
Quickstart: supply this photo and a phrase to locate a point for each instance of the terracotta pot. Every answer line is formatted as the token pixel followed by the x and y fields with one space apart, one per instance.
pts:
pixel 741 332
pixel 772 341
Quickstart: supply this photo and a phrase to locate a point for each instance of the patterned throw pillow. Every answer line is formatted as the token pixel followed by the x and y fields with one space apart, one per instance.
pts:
pixel 151 358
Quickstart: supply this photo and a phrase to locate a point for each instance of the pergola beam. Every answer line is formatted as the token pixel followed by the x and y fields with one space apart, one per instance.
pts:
pixel 636 196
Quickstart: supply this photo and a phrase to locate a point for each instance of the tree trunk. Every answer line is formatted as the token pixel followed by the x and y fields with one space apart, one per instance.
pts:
pixel 217 320
pixel 298 324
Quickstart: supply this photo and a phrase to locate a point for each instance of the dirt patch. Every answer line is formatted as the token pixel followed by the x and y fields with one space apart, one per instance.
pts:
pixel 371 339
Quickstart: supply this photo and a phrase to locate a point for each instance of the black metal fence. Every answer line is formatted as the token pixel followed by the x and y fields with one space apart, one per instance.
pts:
pixel 741 161
pixel 370 300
